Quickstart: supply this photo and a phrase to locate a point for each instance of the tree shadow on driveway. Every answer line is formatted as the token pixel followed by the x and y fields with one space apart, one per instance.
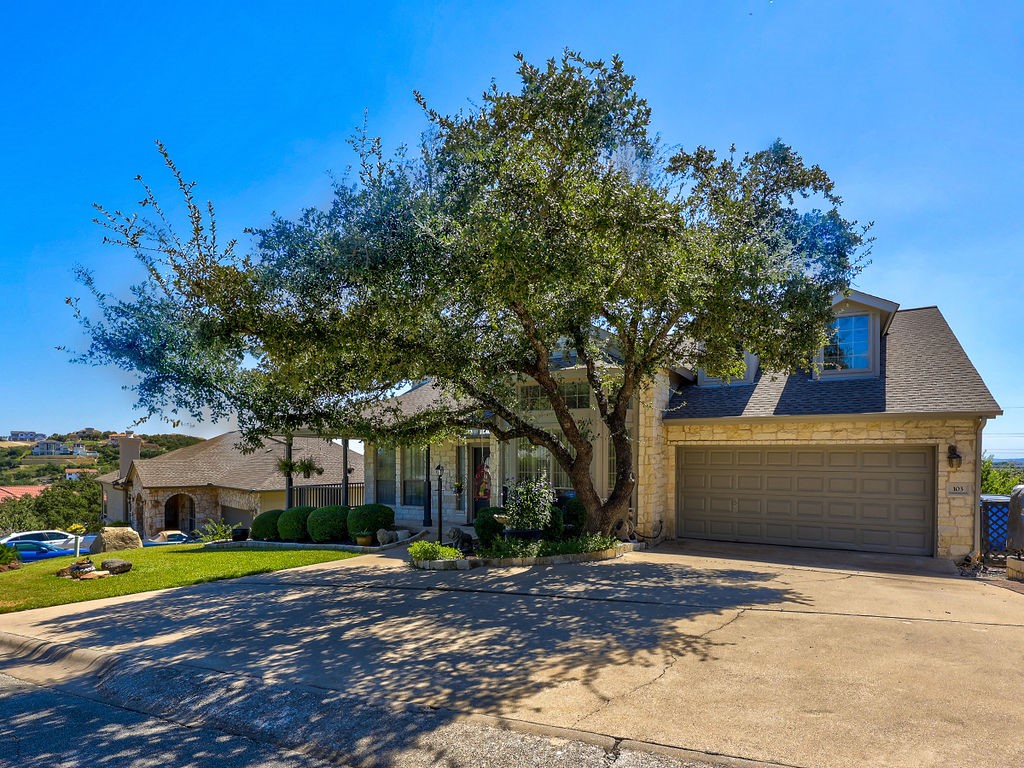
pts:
pixel 307 652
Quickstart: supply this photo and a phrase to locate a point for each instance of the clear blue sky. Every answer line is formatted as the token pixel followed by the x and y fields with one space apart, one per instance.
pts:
pixel 915 108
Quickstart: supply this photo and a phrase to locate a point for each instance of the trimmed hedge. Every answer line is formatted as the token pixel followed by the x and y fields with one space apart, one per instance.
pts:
pixel 555 529
pixel 291 525
pixel 486 527
pixel 370 517
pixel 264 526
pixel 328 524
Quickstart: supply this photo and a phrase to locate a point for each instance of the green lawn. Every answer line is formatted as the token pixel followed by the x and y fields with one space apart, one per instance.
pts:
pixel 34 585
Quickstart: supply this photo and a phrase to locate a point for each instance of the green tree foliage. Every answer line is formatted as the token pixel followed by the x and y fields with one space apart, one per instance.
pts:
pixel 62 504
pixel 67 502
pixel 546 227
pixel 999 479
pixel 18 515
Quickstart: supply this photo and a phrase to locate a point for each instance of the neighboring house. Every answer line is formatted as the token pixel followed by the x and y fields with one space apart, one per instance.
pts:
pixel 115 438
pixel 20 491
pixel 213 480
pixel 22 436
pixel 50 448
pixel 79 449
pixel 80 473
pixel 880 451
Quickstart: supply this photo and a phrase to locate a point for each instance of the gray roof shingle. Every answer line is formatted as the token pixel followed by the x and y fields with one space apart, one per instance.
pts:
pixel 923 369
pixel 218 462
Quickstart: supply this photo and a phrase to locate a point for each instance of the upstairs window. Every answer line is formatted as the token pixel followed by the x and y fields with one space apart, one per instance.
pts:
pixel 849 346
pixel 576 395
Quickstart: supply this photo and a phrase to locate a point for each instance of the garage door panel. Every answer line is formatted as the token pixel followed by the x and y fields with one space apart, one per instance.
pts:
pixel 778 531
pixel 810 459
pixel 841 510
pixel 810 484
pixel 913 459
pixel 871 498
pixel 750 506
pixel 844 484
pixel 778 508
pixel 810 508
pixel 746 482
pixel 911 486
pixel 877 460
pixel 876 486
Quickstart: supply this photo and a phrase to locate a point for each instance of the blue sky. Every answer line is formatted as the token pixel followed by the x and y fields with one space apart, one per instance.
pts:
pixel 915 108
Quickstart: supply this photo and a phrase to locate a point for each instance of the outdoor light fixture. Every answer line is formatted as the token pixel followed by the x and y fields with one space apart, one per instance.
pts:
pixel 954 458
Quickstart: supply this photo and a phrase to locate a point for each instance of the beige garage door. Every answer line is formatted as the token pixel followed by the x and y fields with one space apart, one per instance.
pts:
pixel 879 499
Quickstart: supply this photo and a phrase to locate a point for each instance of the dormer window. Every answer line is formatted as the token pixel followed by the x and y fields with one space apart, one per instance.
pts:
pixel 750 371
pixel 849 347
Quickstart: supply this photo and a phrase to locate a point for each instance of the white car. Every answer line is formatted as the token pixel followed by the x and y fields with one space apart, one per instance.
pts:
pixel 61 539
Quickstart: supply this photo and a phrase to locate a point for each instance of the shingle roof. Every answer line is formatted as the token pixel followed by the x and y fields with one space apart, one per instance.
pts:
pixel 219 463
pixel 923 369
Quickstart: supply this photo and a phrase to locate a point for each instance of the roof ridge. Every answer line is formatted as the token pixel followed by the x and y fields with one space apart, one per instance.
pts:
pixel 916 309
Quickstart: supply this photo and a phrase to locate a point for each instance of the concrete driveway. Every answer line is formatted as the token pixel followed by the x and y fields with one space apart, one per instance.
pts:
pixel 795 657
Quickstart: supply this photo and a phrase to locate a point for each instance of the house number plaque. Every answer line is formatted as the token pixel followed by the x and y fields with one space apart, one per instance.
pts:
pixel 958 489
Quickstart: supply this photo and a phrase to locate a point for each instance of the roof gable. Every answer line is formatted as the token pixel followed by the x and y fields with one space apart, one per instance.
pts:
pixel 923 369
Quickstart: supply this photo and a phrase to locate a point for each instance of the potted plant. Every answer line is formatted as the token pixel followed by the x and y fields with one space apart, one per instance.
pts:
pixel 528 508
pixel 363 538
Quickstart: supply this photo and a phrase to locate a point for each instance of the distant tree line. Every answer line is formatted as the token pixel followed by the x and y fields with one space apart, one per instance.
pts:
pixel 999 479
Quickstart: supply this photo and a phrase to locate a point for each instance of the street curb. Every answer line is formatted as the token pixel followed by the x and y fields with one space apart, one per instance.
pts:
pixel 60 665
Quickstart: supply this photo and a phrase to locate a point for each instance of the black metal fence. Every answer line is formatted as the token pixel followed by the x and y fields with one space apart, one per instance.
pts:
pixel 328 494
pixel 995 519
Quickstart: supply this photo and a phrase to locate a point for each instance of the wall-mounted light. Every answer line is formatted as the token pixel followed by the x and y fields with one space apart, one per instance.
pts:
pixel 954 458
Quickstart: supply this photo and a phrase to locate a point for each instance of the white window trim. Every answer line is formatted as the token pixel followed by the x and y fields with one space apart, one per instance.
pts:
pixel 874 345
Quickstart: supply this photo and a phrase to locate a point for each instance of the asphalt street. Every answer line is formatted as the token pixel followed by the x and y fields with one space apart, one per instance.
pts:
pixel 53 728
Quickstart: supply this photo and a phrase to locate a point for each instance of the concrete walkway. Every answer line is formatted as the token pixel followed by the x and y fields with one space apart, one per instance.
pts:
pixel 792 657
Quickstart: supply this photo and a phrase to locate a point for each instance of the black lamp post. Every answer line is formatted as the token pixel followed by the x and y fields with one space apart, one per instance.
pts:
pixel 440 473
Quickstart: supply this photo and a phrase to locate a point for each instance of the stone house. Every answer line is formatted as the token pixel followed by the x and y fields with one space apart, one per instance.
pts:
pixel 877 450
pixel 214 480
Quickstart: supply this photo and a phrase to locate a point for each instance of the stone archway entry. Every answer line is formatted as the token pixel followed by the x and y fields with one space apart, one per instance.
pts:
pixel 180 513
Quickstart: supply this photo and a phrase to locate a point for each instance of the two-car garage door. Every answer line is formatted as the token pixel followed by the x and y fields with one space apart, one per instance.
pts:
pixel 877 499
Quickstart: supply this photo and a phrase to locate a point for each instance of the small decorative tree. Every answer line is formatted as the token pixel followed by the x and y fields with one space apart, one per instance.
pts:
pixel 529 504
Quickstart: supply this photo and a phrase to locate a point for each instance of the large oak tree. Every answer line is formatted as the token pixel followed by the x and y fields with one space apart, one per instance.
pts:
pixel 543 227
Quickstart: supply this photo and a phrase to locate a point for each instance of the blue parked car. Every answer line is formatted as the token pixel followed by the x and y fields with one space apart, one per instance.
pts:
pixel 30 551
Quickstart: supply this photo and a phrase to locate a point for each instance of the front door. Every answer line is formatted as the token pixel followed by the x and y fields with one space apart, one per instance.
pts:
pixel 481 484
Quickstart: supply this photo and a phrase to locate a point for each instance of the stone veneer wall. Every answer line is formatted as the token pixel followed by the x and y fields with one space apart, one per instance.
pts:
pixel 207 502
pixel 957 516
pixel 655 462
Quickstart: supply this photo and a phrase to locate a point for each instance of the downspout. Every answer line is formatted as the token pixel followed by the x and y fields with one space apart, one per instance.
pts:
pixel 977 484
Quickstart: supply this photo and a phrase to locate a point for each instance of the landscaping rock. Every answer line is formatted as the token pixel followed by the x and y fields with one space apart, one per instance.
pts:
pixel 79 568
pixel 116 565
pixel 115 538
pixel 94 575
pixel 384 536
pixel 403 534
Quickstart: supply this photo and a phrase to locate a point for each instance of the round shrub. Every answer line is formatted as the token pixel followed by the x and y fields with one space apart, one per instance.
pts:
pixel 264 525
pixel 486 527
pixel 328 524
pixel 574 515
pixel 291 525
pixel 431 550
pixel 370 517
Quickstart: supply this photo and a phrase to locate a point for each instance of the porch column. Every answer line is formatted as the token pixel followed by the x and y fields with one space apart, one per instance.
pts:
pixel 427 521
pixel 344 471
pixel 288 490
